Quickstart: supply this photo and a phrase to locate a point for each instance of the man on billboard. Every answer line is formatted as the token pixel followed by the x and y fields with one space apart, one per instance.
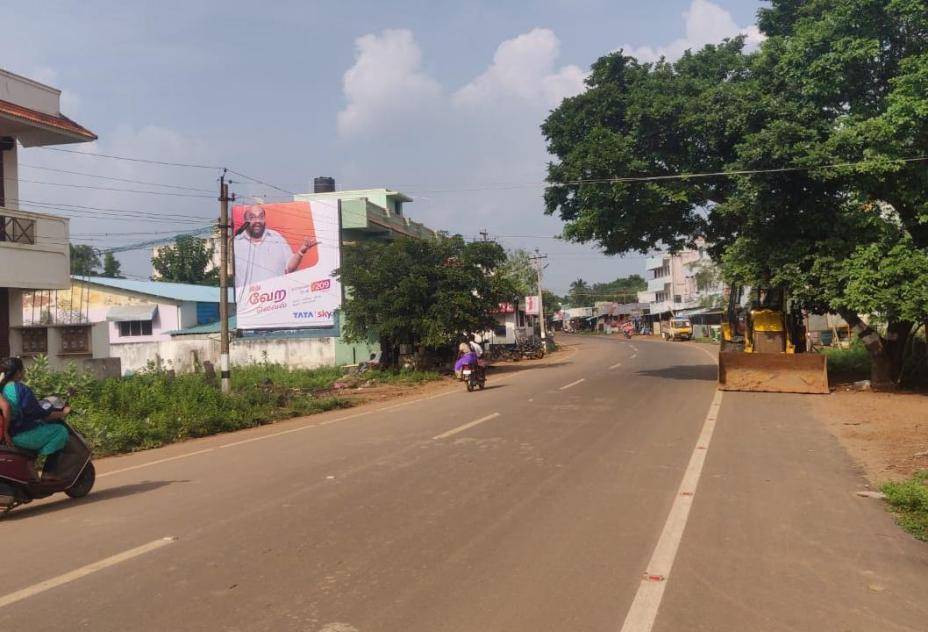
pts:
pixel 262 253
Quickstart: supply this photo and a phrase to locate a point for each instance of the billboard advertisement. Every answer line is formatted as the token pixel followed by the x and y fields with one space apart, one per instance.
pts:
pixel 285 258
pixel 531 305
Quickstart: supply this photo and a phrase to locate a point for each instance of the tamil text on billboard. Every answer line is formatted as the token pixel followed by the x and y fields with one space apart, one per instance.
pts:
pixel 285 259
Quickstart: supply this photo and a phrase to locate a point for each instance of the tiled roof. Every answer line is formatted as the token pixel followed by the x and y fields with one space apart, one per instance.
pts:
pixel 60 122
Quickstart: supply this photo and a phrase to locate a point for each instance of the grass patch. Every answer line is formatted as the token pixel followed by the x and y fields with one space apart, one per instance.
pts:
pixel 909 500
pixel 152 408
pixel 851 362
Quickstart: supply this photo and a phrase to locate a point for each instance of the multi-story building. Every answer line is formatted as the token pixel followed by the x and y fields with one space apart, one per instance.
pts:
pixel 682 281
pixel 34 253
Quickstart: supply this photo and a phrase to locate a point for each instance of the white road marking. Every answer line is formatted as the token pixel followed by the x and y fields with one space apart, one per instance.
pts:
pixel 566 386
pixel 83 571
pixel 615 366
pixel 150 463
pixel 643 612
pixel 634 348
pixel 454 431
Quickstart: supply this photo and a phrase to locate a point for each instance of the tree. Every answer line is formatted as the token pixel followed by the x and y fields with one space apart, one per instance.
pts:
pixel 551 302
pixel 187 260
pixel 423 293
pixel 578 294
pixel 111 266
pixel 521 273
pixel 622 290
pixel 834 83
pixel 84 260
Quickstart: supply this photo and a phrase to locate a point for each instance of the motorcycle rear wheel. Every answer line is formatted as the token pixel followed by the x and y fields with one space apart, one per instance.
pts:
pixel 84 482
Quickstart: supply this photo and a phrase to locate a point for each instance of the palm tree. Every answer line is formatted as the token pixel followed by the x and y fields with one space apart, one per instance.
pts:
pixel 579 293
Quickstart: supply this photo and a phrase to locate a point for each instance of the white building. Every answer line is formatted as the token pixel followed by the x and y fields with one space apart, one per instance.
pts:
pixel 681 281
pixel 34 251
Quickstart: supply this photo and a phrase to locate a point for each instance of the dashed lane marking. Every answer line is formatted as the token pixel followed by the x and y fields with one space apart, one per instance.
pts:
pixel 572 384
pixel 466 426
pixel 83 571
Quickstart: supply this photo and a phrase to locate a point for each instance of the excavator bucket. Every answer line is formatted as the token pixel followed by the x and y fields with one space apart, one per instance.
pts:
pixel 773 372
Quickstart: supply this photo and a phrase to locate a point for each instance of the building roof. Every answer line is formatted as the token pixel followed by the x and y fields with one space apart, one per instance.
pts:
pixel 160 289
pixel 208 328
pixel 60 123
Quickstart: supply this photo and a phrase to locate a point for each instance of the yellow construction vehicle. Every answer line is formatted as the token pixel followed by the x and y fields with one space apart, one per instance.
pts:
pixel 763 346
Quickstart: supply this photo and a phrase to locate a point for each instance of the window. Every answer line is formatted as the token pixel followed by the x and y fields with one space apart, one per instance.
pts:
pixel 35 340
pixel 75 340
pixel 129 328
pixel 17 230
pixel 500 330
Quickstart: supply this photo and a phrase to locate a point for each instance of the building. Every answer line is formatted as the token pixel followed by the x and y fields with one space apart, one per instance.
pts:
pixel 683 283
pixel 34 253
pixel 125 320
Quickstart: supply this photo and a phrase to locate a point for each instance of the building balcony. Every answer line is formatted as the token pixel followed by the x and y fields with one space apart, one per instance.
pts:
pixel 659 284
pixel 33 251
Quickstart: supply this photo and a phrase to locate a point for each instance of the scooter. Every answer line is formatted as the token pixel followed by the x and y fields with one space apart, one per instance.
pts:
pixel 474 376
pixel 74 474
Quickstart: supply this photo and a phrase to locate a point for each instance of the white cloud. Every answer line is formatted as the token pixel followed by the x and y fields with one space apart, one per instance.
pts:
pixel 523 68
pixel 706 23
pixel 385 83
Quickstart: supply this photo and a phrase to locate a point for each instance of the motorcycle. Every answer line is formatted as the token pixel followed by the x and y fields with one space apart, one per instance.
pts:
pixel 474 376
pixel 74 475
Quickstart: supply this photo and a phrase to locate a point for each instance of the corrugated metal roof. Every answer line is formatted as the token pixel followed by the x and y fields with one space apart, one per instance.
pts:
pixel 209 328
pixel 173 291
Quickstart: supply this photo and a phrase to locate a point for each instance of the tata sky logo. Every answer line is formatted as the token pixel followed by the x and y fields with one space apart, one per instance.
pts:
pixel 260 298
pixel 322 314
pixel 318 286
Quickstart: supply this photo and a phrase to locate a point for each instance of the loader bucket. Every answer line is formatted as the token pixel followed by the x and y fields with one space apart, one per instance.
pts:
pixel 773 372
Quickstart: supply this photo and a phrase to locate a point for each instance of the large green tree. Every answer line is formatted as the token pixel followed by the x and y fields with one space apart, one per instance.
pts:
pixel 836 82
pixel 424 293
pixel 520 271
pixel 187 260
pixel 85 260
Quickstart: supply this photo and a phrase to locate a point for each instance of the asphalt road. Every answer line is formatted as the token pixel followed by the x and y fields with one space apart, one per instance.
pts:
pixel 601 489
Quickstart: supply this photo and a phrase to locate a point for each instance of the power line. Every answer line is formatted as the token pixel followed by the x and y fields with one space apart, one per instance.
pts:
pixel 116 189
pixel 115 179
pixel 130 159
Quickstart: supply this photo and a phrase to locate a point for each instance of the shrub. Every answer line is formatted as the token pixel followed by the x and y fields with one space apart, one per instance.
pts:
pixel 909 500
pixel 851 362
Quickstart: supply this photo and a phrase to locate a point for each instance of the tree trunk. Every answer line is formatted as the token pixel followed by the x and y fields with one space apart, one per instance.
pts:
pixel 886 353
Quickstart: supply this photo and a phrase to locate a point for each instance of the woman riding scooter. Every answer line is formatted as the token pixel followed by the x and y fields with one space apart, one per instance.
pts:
pixel 26 424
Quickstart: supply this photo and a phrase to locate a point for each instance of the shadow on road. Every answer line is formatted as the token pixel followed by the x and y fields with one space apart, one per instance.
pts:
pixel 704 372
pixel 64 502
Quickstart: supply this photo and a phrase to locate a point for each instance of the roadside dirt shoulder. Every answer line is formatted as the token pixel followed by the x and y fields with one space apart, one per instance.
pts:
pixel 887 433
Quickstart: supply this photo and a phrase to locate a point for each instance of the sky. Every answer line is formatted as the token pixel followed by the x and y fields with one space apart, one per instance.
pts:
pixel 441 100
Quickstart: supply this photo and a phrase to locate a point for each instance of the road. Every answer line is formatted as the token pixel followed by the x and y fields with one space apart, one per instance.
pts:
pixel 611 488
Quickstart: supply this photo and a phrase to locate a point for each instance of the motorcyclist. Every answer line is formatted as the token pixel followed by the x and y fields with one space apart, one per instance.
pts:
pixel 466 356
pixel 27 423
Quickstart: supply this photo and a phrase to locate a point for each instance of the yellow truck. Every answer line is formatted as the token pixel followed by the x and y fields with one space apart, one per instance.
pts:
pixel 763 346
pixel 676 328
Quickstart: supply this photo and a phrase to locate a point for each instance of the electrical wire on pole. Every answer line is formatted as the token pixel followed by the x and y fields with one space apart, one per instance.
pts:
pixel 537 260
pixel 224 369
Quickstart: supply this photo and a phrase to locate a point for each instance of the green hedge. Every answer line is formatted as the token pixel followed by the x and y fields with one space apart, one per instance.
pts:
pixel 153 408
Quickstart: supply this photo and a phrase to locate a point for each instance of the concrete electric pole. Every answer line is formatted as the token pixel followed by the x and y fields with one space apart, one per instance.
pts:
pixel 224 199
pixel 537 262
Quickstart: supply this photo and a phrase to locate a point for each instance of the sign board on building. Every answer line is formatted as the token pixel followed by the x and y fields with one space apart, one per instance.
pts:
pixel 531 305
pixel 506 308
pixel 285 259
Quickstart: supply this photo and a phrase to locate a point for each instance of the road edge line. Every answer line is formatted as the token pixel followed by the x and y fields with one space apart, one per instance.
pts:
pixel 464 427
pixel 643 612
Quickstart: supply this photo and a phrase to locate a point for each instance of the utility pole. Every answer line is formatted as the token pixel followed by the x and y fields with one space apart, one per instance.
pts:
pixel 536 262
pixel 224 199
pixel 485 235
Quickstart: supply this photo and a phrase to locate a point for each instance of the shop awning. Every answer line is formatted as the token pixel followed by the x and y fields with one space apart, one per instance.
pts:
pixel 142 311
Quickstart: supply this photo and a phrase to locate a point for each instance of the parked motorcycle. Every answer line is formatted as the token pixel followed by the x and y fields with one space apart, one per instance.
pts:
pixel 19 484
pixel 474 376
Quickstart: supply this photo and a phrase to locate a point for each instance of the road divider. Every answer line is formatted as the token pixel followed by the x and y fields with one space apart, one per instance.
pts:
pixel 615 366
pixel 572 384
pixel 466 426
pixel 83 571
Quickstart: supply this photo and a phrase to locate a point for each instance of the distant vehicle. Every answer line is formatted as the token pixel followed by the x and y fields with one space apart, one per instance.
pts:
pixel 676 329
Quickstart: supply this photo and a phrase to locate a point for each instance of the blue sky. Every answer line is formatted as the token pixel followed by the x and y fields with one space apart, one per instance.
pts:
pixel 440 99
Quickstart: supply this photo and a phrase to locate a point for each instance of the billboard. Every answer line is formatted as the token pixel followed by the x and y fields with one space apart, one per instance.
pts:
pixel 285 258
pixel 531 305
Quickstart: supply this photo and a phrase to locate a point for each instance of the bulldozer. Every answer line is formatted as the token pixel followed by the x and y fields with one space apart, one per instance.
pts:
pixel 763 345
